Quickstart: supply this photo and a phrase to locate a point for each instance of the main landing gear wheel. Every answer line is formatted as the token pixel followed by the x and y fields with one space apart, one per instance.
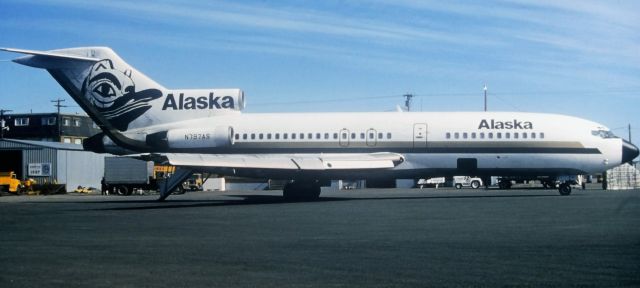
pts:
pixel 301 191
pixel 564 189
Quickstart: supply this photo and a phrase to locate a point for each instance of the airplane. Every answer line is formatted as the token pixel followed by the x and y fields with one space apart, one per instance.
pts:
pixel 206 130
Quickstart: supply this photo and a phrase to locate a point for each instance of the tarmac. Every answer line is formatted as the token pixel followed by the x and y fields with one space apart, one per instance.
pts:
pixel 355 238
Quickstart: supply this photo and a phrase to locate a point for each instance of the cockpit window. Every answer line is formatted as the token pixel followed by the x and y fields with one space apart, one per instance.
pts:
pixel 606 134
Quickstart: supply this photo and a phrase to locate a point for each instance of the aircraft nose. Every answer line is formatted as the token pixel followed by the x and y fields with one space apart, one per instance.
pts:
pixel 629 151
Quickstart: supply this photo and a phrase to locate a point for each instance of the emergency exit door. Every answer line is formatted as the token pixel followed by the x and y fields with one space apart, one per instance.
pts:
pixel 420 135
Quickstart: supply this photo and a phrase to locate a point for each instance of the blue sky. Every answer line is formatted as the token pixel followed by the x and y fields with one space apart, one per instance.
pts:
pixel 579 58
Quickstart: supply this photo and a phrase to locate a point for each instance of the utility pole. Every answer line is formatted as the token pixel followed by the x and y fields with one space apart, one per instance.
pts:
pixel 57 105
pixel 407 102
pixel 2 127
pixel 485 97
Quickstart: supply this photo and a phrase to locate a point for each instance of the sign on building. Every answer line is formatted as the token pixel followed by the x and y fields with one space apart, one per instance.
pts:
pixel 39 169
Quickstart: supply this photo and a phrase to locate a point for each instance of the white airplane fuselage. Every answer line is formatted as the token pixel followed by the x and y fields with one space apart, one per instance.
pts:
pixel 432 143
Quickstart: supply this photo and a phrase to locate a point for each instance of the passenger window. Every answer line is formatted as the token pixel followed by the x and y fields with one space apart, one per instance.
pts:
pixel 507 135
pixel 533 135
pixel 301 135
pixel 310 136
pixel 277 136
pixel 456 135
pixel 318 136
pixel 448 135
pixel 372 135
pixel 260 136
pixel 388 135
pixel 465 135
pixel 253 136
pixel 481 135
pixel 541 135
pixel 326 136
pixel 285 136
pixel 344 136
pixel 499 135
pixel 490 135
pixel 237 136
pixel 380 135
pixel 244 136
pixel 353 135
pixel 335 135
pixel 473 135
pixel 524 135
pixel 293 136
pixel 269 136
pixel 362 136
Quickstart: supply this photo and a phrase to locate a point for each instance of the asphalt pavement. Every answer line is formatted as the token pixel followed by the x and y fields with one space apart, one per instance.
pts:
pixel 356 238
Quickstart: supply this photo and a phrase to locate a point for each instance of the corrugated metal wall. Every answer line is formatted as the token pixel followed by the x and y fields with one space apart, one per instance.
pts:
pixel 71 167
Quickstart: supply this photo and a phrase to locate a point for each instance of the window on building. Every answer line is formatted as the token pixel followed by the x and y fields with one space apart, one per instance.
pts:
pixel 66 140
pixel 21 121
pixel 76 122
pixel 77 141
pixel 48 121
pixel 66 121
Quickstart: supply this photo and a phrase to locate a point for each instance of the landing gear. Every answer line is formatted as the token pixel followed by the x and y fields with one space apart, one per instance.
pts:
pixel 564 189
pixel 301 191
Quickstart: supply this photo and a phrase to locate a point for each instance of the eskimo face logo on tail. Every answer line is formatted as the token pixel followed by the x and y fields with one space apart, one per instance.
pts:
pixel 113 93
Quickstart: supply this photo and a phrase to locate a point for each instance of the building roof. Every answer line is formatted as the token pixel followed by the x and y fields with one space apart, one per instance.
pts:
pixel 42 144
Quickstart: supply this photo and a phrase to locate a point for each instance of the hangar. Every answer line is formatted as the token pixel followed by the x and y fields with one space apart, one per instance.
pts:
pixel 51 162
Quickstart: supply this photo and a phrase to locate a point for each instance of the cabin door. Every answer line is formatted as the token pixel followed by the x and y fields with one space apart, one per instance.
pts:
pixel 420 135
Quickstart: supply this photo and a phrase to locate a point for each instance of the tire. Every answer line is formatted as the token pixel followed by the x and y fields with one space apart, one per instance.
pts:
pixel 564 189
pixel 458 186
pixel 122 190
pixel 475 184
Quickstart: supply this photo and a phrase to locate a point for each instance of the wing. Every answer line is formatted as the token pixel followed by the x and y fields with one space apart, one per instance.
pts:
pixel 308 162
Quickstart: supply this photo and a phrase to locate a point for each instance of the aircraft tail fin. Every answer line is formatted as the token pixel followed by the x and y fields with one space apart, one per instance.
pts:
pixel 114 94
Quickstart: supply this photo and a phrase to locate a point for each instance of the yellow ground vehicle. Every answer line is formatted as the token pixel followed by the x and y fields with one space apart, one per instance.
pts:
pixel 9 182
